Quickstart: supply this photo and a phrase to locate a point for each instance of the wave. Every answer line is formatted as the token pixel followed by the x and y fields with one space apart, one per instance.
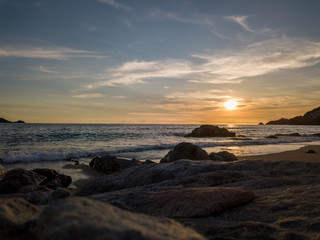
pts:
pixel 65 154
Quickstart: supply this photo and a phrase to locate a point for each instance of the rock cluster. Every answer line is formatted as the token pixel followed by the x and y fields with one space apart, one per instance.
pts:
pixel 210 131
pixel 111 164
pixel 38 186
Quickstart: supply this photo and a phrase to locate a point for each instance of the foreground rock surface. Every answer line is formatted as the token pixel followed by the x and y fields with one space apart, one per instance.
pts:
pixel 81 218
pixel 185 150
pixel 178 202
pixel 210 131
pixel 14 214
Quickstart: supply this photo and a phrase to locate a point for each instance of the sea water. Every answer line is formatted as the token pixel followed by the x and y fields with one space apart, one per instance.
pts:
pixel 55 142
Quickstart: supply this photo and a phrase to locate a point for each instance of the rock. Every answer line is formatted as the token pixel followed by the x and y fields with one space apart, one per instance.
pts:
pixel 2 120
pixel 17 178
pixel 316 135
pixel 148 161
pixel 53 178
pixel 288 135
pixel 111 164
pixel 58 193
pixel 311 151
pixel 223 156
pixel 260 123
pixel 178 202
pixel 310 118
pixel 81 218
pixel 271 136
pixel 14 213
pixel 210 131
pixel 185 150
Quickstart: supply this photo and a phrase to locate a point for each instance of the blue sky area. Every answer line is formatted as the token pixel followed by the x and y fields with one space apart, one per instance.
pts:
pixel 152 61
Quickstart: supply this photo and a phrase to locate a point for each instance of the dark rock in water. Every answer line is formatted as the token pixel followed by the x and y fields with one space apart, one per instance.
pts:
pixel 288 135
pixel 271 136
pixel 310 118
pixel 148 161
pixel 14 214
pixel 178 202
pixel 311 151
pixel 17 178
pixel 81 218
pixel 316 135
pixel 223 156
pixel 111 164
pixel 210 131
pixel 185 150
pixel 53 178
pixel 261 123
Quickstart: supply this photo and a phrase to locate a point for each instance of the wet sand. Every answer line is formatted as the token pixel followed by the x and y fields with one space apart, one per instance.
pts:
pixel 299 155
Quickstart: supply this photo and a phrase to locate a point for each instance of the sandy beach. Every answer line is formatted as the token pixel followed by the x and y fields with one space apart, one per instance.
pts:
pixel 299 155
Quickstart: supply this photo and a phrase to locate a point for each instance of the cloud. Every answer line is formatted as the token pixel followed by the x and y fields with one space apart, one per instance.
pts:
pixel 57 53
pixel 44 69
pixel 88 95
pixel 116 5
pixel 241 20
pixel 226 66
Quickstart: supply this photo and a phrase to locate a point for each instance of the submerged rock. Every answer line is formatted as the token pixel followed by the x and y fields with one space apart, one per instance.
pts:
pixel 111 164
pixel 185 150
pixel 178 202
pixel 81 218
pixel 210 131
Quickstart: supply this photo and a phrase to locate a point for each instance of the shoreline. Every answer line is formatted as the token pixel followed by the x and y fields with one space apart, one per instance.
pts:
pixel 299 155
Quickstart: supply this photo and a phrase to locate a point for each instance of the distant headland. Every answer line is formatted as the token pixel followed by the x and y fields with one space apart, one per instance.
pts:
pixel 2 120
pixel 309 118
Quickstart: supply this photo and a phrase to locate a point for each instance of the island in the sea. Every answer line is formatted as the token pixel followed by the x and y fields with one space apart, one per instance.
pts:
pixel 2 120
pixel 309 118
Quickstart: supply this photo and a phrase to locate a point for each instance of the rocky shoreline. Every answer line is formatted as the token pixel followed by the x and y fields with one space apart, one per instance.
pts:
pixel 176 199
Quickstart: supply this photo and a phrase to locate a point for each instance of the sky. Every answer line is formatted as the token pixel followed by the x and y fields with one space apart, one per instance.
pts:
pixel 158 61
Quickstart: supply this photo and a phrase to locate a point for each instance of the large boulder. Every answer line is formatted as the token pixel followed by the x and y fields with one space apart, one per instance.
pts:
pixel 111 164
pixel 17 178
pixel 14 213
pixel 223 156
pixel 81 218
pixel 53 179
pixel 178 202
pixel 185 150
pixel 210 131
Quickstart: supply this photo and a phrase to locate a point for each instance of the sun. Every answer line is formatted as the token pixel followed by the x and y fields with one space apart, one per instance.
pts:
pixel 230 105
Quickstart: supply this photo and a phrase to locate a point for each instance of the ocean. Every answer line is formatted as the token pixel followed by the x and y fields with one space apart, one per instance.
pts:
pixel 24 143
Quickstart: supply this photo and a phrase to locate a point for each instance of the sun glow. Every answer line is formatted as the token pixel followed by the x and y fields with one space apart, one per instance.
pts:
pixel 231 105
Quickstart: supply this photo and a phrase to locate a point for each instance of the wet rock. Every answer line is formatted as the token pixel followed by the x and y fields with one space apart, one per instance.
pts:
pixel 210 131
pixel 288 135
pixel 178 202
pixel 311 151
pixel 81 218
pixel 271 136
pixel 111 164
pixel 260 123
pixel 14 213
pixel 17 178
pixel 53 178
pixel 223 156
pixel 185 150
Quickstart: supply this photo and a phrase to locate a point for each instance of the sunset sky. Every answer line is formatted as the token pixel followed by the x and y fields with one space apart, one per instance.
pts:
pixel 158 61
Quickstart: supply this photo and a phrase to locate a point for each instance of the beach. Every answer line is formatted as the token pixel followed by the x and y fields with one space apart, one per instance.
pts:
pixel 267 196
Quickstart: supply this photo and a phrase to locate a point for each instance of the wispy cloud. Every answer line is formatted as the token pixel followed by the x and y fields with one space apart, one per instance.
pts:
pixel 241 20
pixel 227 66
pixel 44 69
pixel 88 95
pixel 116 5
pixel 58 53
